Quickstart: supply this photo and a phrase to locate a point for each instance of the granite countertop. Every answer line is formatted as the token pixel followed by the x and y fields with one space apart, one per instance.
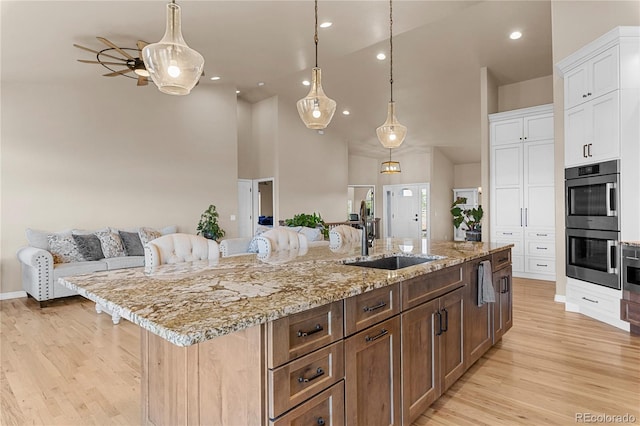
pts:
pixel 192 302
pixel 630 243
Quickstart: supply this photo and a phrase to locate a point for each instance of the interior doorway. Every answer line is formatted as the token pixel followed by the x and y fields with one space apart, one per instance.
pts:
pixel 256 205
pixel 406 211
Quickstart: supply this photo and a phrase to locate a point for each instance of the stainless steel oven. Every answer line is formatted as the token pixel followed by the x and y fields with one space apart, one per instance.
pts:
pixel 591 196
pixel 593 256
pixel 631 269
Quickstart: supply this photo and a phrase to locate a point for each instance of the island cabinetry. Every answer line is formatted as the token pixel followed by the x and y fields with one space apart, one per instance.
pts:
pixel 372 375
pixel 432 352
pixel 326 408
pixel 367 309
pixel 478 333
pixel 424 288
pixel 502 308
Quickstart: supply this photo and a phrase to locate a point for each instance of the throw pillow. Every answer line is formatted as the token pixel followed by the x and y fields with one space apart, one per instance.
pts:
pixel 132 243
pixel 111 243
pixel 148 234
pixel 89 246
pixel 63 248
pixel 37 239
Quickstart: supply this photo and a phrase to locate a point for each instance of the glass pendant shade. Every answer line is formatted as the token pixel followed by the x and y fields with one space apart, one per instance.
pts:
pixel 173 66
pixel 316 109
pixel 389 167
pixel 391 134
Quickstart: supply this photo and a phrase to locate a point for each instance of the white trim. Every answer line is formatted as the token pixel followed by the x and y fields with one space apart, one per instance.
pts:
pixel 517 113
pixel 560 298
pixel 13 295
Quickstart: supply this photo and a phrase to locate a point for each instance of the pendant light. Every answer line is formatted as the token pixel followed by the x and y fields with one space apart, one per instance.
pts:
pixel 391 134
pixel 173 66
pixel 390 167
pixel 316 109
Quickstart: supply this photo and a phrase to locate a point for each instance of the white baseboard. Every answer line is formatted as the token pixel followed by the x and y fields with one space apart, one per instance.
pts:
pixel 13 295
pixel 560 298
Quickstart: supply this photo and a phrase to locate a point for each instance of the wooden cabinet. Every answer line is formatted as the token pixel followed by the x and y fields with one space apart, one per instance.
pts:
pixel 372 375
pixel 478 333
pixel 503 306
pixel 432 352
pixel 326 408
pixel 592 78
pixel 367 309
pixel 522 187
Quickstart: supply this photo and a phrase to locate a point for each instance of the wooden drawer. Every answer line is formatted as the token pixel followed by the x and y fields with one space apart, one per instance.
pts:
pixel 541 248
pixel 298 334
pixel 541 266
pixel 500 259
pixel 370 308
pixel 426 287
pixel 326 408
pixel 299 380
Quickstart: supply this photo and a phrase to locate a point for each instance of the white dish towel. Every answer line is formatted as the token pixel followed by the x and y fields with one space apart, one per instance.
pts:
pixel 485 283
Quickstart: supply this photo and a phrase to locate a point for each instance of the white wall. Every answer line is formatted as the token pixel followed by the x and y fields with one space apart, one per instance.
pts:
pixel 247 154
pixel 537 91
pixel 112 154
pixel 441 197
pixel 467 176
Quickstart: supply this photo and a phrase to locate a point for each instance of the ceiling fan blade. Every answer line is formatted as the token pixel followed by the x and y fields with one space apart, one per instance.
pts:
pixel 108 43
pixel 142 81
pixel 101 63
pixel 98 53
pixel 113 74
pixel 141 44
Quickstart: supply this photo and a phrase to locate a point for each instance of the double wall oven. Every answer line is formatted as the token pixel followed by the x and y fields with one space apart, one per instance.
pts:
pixel 592 223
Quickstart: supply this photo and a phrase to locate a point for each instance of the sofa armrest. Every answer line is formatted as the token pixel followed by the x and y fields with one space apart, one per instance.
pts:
pixel 235 246
pixel 37 272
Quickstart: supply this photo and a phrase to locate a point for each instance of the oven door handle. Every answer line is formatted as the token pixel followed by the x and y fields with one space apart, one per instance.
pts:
pixel 612 256
pixel 611 187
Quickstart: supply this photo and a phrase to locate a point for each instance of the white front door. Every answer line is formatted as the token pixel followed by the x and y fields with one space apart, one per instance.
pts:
pixel 406 211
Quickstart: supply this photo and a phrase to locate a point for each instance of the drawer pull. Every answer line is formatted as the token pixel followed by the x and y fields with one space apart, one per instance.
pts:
pixel 507 233
pixel 590 300
pixel 374 307
pixel 319 372
pixel 542 235
pixel 541 248
pixel 504 259
pixel 543 266
pixel 309 333
pixel 320 421
pixel 383 332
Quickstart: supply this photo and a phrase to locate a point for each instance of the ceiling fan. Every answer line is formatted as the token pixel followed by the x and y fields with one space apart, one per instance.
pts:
pixel 107 58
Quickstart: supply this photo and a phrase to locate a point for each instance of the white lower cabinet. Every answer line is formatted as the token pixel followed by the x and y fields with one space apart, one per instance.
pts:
pixel 595 301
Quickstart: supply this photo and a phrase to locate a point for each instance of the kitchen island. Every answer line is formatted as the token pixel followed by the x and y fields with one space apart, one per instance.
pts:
pixel 244 341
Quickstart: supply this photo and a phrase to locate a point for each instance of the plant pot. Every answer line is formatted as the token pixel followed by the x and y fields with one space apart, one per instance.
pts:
pixel 473 235
pixel 209 235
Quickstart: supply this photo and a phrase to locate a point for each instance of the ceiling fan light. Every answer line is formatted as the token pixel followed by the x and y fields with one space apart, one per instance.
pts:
pixel 172 65
pixel 316 109
pixel 391 134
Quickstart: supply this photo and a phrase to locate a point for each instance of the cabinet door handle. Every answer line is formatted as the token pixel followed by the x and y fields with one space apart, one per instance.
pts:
pixel 541 248
pixel 317 328
pixel 506 285
pixel 589 300
pixel 521 216
pixel 526 217
pixel 589 147
pixel 383 332
pixel 584 96
pixel 439 322
pixel 374 307
pixel 319 372
pixel 446 320
pixel 589 94
pixel 584 151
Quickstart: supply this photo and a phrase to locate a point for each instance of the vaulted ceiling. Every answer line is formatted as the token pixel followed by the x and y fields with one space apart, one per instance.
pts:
pixel 439 48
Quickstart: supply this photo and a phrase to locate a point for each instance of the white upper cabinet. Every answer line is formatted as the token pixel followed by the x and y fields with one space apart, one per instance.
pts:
pixel 522 129
pixel 595 77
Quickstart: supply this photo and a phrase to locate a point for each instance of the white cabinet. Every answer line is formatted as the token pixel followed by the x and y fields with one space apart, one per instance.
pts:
pixel 522 189
pixel 595 77
pixel 471 194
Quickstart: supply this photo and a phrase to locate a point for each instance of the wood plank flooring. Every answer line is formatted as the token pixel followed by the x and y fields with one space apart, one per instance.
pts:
pixel 67 365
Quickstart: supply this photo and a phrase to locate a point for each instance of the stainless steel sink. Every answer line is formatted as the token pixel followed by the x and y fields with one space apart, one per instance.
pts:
pixel 391 263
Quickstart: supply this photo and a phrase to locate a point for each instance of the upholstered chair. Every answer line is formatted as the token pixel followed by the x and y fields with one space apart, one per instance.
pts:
pixel 177 248
pixel 281 240
pixel 342 235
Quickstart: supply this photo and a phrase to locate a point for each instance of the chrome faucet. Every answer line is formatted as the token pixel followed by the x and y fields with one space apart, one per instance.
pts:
pixel 365 239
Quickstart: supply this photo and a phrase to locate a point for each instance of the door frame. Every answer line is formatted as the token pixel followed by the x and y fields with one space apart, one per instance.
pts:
pixel 385 202
pixel 255 191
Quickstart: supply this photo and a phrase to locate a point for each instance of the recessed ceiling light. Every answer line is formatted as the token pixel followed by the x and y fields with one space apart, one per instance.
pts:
pixel 346 112
pixel 321 132
pixel 306 83
pixel 260 83
pixel 326 24
pixel 515 35
pixel 215 77
pixel 381 56
pixel 237 92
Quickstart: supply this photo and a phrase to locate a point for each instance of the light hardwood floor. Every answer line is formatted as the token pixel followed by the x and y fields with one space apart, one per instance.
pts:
pixel 66 365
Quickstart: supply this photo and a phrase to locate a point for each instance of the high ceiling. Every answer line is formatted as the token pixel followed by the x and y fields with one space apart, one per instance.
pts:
pixel 439 48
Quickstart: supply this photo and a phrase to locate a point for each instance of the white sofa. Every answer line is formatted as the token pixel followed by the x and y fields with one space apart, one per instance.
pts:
pixel 245 245
pixel 42 265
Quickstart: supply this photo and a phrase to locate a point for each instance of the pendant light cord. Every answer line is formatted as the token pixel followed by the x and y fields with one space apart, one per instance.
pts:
pixel 315 37
pixel 391 47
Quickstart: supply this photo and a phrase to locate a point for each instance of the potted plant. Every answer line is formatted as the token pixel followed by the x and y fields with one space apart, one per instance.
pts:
pixel 208 226
pixel 310 221
pixel 470 217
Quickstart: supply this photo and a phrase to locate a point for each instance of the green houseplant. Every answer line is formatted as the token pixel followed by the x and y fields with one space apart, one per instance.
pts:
pixel 310 221
pixel 470 217
pixel 208 226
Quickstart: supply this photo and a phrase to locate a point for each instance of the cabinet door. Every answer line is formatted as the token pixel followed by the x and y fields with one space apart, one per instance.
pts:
pixel 452 364
pixel 576 122
pixel 604 76
pixel 539 195
pixel 506 131
pixel 507 185
pixel 575 86
pixel 478 334
pixel 538 127
pixel 372 369
pixel 605 116
pixel 502 312
pixel 420 359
